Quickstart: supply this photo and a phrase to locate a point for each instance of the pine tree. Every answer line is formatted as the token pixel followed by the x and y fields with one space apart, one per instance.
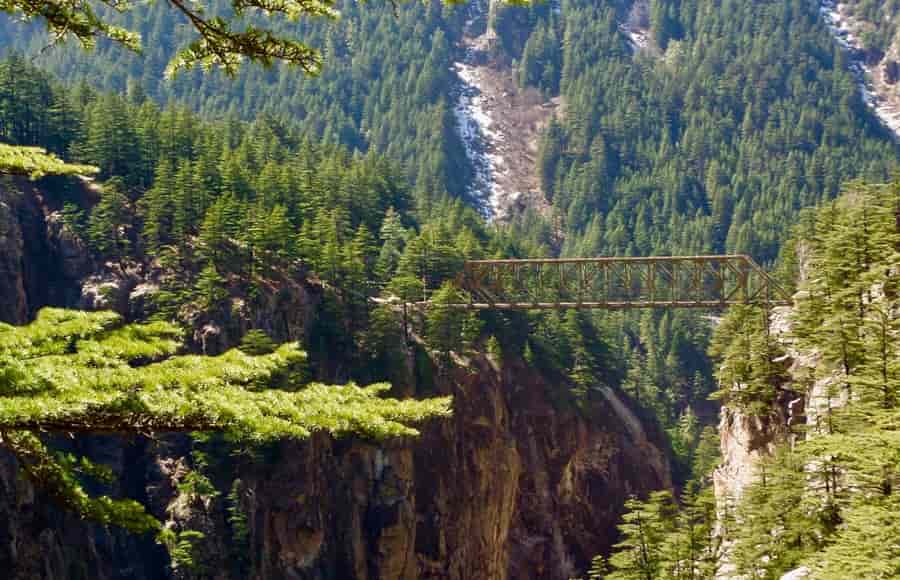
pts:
pixel 256 342
pixel 109 222
pixel 211 288
pixel 77 372
pixel 158 208
pixel 447 328
pixel 779 522
pixel 644 527
pixel 214 237
pixel 751 361
pixel 392 235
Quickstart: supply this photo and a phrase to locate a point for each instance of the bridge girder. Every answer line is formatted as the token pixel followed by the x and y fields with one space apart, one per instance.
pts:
pixel 619 283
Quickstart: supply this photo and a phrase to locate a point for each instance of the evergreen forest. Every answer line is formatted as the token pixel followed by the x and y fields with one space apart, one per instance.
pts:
pixel 335 164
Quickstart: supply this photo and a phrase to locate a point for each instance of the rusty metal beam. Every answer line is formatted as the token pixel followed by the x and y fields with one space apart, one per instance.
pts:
pixel 618 283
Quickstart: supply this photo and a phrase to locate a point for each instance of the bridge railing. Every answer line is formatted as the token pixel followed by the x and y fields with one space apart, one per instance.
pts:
pixel 616 283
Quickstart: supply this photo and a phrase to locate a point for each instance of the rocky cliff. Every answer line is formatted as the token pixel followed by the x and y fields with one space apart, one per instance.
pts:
pixel 39 263
pixel 515 485
pixel 745 440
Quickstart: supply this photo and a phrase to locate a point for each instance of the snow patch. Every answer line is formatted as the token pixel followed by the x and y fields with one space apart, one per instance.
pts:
pixel 479 132
pixel 841 28
pixel 638 39
pixel 499 122
pixel 476 128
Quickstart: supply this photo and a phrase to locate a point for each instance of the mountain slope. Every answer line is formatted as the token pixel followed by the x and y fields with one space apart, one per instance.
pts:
pixel 518 484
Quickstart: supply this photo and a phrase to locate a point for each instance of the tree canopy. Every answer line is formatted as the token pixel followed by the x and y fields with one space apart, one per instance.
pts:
pixel 225 33
pixel 36 162
pixel 89 372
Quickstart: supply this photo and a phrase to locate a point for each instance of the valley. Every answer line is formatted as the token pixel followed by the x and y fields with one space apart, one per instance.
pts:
pixel 215 361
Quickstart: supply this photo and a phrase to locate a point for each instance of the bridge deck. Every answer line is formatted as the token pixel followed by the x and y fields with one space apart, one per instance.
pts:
pixel 714 281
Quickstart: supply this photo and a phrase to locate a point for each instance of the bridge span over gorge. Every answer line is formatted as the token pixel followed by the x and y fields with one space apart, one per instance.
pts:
pixel 711 282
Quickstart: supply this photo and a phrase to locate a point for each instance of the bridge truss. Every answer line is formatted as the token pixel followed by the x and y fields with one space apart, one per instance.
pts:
pixel 618 283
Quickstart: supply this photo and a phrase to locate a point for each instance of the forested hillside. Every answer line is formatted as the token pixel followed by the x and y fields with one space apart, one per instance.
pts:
pixel 735 118
pixel 386 86
pixel 709 139
pixel 822 383
pixel 682 127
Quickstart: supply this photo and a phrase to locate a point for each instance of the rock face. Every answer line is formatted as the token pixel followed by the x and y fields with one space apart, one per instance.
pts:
pixel 875 68
pixel 37 266
pixel 517 484
pixel 745 439
pixel 38 541
pixel 510 487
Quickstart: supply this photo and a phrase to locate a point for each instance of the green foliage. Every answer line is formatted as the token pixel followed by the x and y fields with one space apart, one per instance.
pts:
pixel 222 40
pixel 60 478
pixel 830 502
pixel 195 484
pixel 644 528
pixel 449 328
pixel 672 155
pixel 211 290
pixel 662 542
pixel 382 343
pixel 73 217
pixel 88 372
pixel 109 222
pixel 183 547
pixel 865 545
pixel 684 435
pixel 780 520
pixel 257 342
pixel 751 361
pixel 35 162
pixel 237 519
pixel 707 455
pixel 71 371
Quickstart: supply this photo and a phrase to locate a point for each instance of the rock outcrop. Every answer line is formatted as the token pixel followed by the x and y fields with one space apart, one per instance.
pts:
pixel 745 439
pixel 511 487
pixel 37 264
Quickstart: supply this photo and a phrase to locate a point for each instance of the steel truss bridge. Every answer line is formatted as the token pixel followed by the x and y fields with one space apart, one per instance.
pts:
pixel 619 283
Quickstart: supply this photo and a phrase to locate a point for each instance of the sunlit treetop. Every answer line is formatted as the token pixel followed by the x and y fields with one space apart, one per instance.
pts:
pixel 72 372
pixel 36 162
pixel 88 372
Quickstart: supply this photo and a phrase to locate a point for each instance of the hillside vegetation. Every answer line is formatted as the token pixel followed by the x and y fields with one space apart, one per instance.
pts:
pixel 827 500
pixel 712 139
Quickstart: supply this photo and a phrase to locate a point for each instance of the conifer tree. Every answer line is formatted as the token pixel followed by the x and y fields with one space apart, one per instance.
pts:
pixel 644 527
pixel 159 208
pixel 78 372
pixel 447 328
pixel 210 288
pixel 109 222
pixel 392 235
